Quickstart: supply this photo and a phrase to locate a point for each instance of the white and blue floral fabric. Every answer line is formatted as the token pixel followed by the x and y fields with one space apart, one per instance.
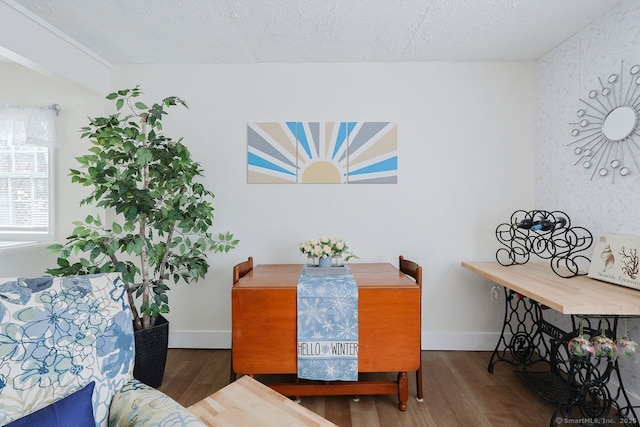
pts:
pixel 327 319
pixel 59 334
pixel 137 404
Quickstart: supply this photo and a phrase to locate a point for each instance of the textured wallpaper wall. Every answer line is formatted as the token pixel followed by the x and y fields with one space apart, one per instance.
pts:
pixel 566 74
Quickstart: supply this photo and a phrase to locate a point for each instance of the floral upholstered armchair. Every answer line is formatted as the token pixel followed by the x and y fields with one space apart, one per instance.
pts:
pixel 67 354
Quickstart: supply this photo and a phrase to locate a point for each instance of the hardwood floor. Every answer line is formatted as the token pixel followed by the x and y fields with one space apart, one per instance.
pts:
pixel 458 391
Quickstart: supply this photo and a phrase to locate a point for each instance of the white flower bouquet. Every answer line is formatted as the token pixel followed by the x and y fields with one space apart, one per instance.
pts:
pixel 326 247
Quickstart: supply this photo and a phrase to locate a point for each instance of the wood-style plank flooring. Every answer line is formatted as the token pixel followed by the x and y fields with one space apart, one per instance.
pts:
pixel 458 391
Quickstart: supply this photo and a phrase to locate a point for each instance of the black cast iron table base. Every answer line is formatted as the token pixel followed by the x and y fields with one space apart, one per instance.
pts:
pixel 580 388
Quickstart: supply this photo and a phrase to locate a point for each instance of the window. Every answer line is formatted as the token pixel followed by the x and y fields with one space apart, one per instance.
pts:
pixel 26 185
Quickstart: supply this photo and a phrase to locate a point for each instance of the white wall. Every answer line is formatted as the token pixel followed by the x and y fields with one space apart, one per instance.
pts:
pixel 466 162
pixel 566 74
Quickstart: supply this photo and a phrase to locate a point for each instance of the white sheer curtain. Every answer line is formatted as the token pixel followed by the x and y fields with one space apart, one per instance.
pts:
pixel 27 125
pixel 27 137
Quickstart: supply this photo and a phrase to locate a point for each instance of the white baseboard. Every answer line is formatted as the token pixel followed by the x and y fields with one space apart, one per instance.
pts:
pixel 430 340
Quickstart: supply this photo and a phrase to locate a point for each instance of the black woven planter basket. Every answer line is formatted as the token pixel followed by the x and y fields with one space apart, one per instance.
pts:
pixel 151 353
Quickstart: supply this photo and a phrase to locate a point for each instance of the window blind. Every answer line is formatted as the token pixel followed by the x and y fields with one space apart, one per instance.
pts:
pixel 27 136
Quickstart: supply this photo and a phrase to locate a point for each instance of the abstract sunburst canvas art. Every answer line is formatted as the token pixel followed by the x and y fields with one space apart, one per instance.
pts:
pixel 322 152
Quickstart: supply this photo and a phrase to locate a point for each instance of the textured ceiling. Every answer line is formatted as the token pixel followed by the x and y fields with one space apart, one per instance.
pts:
pixel 247 31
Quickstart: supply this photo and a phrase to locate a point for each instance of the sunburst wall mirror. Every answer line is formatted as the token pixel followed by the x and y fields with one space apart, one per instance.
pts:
pixel 607 131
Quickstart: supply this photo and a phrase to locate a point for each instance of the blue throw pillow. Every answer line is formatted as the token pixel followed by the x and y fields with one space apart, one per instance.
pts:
pixel 74 410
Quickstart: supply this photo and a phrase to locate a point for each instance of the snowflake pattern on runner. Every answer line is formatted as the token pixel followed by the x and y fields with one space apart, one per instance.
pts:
pixel 327 327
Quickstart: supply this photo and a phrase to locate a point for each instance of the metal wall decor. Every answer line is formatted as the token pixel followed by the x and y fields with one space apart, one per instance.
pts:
pixel 547 235
pixel 607 131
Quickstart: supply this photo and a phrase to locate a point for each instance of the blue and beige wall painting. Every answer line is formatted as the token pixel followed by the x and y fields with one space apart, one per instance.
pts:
pixel 322 152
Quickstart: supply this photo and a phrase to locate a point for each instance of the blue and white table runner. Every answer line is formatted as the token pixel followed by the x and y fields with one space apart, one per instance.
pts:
pixel 327 327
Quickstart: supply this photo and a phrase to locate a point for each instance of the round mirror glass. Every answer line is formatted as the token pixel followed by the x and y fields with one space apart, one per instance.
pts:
pixel 619 123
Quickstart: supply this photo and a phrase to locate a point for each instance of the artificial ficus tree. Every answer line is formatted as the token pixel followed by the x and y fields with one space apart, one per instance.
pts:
pixel 162 215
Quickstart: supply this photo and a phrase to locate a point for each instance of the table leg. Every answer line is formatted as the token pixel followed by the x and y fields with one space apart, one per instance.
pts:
pixel 522 319
pixel 403 390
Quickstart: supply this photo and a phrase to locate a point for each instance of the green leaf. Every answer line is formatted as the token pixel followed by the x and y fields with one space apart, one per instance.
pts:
pixel 139 244
pixel 56 247
pixel 116 228
pixel 141 106
pixel 119 104
pixel 144 156
pixel 113 246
